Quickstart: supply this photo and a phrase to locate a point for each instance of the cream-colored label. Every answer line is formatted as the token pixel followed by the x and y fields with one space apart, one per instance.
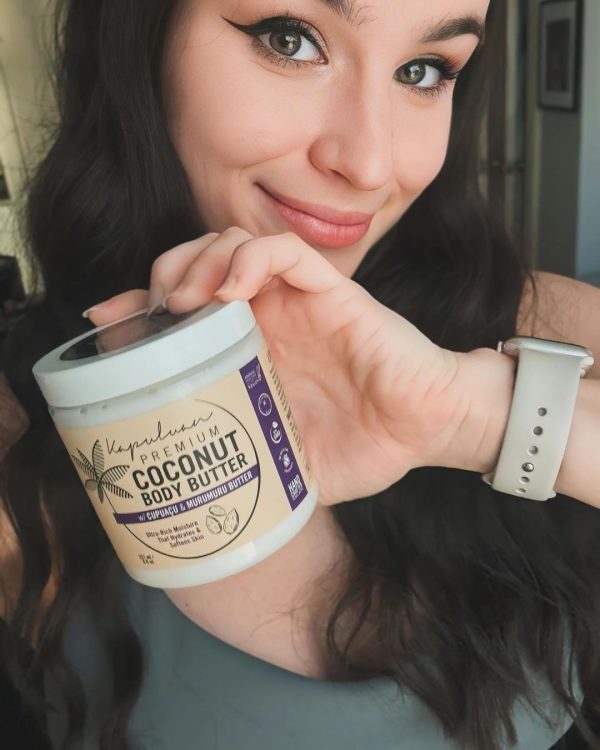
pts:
pixel 198 477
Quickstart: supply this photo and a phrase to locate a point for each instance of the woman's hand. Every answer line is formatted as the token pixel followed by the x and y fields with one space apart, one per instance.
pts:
pixel 372 396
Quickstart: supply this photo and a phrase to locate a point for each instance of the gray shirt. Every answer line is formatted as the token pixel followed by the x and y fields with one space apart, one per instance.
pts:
pixel 200 693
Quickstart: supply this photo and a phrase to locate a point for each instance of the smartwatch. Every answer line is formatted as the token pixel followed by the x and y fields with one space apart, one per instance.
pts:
pixel 541 414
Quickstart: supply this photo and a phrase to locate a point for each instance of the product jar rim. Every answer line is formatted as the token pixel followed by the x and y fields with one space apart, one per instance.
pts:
pixel 78 372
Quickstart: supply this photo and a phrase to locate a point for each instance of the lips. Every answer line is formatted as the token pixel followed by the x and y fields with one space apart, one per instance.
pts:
pixel 318 224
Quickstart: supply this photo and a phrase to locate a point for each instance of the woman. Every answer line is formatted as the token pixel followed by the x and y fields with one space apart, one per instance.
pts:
pixel 304 156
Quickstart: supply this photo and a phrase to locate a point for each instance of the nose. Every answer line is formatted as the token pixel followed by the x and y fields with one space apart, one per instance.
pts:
pixel 355 138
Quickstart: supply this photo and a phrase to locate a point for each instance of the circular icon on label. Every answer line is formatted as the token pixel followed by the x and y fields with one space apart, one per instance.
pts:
pixel 276 434
pixel 286 460
pixel 265 406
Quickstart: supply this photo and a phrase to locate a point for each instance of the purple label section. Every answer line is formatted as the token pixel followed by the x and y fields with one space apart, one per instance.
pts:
pixel 190 503
pixel 274 432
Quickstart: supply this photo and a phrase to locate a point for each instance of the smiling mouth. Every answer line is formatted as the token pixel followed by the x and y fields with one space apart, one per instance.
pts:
pixel 318 231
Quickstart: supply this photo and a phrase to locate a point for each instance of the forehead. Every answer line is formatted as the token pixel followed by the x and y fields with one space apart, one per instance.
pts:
pixel 362 12
pixel 357 13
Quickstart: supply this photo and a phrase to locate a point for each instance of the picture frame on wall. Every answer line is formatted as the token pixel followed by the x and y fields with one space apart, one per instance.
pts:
pixel 560 54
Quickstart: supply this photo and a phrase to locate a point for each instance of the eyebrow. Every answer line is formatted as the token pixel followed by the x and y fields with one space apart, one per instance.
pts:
pixel 439 32
pixel 453 27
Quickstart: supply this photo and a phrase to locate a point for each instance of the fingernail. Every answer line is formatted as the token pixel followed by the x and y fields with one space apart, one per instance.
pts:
pixel 158 310
pixel 86 313
pixel 162 307
pixel 229 286
pixel 156 296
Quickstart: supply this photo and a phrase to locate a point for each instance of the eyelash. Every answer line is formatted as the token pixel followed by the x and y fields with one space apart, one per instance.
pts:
pixel 297 26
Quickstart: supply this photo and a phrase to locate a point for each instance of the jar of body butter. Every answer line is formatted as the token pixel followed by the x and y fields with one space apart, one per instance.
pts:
pixel 184 440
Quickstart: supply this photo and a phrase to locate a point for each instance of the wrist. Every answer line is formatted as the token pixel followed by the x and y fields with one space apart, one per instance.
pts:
pixel 578 467
pixel 485 382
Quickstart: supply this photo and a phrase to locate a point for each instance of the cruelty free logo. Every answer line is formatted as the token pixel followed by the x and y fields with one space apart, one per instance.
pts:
pixel 101 480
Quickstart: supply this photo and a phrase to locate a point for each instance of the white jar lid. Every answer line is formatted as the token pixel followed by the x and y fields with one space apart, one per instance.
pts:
pixel 139 351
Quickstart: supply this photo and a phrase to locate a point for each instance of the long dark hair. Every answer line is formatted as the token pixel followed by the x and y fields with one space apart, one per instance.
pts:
pixel 482 580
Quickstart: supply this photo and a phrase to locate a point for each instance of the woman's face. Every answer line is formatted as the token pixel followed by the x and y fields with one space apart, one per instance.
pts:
pixel 344 108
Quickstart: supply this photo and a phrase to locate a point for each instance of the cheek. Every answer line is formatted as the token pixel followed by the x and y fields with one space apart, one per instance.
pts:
pixel 421 144
pixel 231 114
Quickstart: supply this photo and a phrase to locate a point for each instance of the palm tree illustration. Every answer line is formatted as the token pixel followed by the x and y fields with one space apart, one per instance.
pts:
pixel 99 479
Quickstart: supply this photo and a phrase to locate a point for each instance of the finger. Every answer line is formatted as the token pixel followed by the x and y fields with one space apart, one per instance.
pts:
pixel 169 269
pixel 284 256
pixel 117 307
pixel 207 272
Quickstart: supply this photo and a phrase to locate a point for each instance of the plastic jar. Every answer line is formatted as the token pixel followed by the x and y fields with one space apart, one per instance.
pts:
pixel 184 440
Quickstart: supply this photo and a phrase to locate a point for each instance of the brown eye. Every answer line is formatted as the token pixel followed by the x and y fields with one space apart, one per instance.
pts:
pixel 412 73
pixel 285 43
pixel 285 40
pixel 290 44
pixel 423 75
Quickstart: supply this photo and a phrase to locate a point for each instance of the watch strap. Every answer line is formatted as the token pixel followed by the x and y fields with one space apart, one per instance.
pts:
pixel 539 423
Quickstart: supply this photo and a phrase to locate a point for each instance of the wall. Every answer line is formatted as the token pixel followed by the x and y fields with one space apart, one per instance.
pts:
pixel 588 237
pixel 559 179
pixel 25 100
pixel 533 137
pixel 563 151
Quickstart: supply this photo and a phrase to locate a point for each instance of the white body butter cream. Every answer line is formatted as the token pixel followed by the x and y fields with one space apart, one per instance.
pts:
pixel 184 440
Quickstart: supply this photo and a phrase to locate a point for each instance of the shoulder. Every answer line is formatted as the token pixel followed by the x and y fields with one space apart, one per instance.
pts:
pixel 562 309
